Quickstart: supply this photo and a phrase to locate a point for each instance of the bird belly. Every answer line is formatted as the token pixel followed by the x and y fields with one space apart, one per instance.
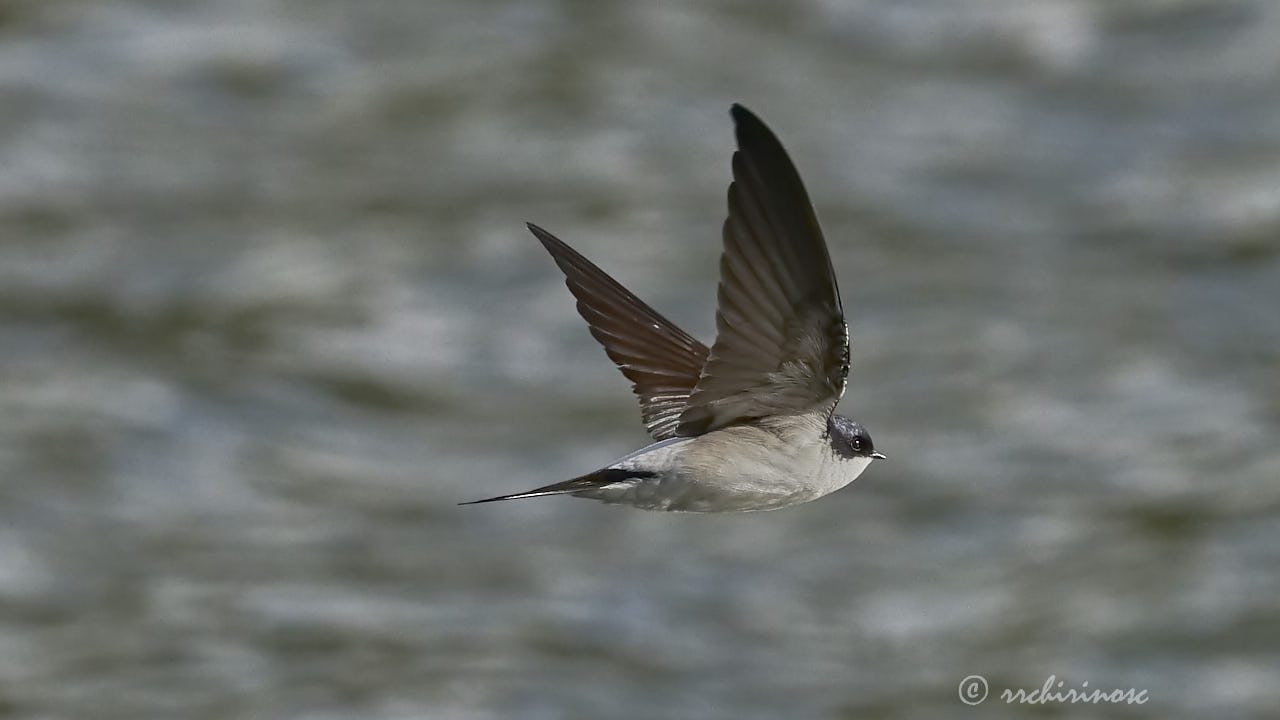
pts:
pixel 738 469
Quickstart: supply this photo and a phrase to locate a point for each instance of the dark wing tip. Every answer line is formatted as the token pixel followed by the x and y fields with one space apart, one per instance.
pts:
pixel 546 238
pixel 554 245
pixel 750 130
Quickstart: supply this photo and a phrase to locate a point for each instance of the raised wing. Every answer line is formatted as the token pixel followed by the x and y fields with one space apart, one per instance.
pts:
pixel 662 361
pixel 782 346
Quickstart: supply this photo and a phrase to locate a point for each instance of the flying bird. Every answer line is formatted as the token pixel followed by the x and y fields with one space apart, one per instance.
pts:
pixel 749 423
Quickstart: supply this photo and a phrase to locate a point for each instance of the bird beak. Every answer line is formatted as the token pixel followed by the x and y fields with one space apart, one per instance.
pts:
pixel 878 456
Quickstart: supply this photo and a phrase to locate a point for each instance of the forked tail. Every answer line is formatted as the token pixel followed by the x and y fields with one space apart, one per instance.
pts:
pixel 590 481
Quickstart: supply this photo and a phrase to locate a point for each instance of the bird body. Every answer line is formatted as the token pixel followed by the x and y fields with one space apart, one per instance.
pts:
pixel 741 468
pixel 749 423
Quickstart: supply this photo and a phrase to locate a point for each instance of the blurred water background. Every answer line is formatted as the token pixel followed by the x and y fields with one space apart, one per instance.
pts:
pixel 268 311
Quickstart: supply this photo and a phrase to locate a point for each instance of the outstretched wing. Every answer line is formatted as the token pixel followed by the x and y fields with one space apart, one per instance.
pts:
pixel 782 346
pixel 662 361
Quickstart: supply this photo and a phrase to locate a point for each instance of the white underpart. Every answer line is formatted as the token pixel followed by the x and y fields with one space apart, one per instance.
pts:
pixel 738 469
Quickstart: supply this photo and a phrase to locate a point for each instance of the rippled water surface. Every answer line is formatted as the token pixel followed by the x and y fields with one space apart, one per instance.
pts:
pixel 268 311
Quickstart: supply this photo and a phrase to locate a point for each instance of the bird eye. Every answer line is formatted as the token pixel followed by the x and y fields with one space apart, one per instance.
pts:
pixel 857 443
